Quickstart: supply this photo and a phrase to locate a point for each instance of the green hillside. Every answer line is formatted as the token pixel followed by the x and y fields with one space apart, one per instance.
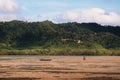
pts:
pixel 47 38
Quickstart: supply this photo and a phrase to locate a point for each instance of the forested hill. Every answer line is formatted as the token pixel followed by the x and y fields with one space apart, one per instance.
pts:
pixel 17 34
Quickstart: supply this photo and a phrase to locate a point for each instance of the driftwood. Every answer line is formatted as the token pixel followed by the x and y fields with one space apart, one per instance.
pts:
pixel 45 59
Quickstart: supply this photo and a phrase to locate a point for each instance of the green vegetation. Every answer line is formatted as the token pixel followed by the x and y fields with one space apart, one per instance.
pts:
pixel 47 38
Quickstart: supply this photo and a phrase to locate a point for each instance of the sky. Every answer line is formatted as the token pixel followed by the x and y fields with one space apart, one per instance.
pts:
pixel 105 12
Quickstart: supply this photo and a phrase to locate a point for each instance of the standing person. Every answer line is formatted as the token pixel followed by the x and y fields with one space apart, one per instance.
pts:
pixel 84 58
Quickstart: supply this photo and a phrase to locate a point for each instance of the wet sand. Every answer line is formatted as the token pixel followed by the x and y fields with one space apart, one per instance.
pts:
pixel 59 68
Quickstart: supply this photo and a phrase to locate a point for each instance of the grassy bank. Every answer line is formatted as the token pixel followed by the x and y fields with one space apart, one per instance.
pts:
pixel 60 49
pixel 60 52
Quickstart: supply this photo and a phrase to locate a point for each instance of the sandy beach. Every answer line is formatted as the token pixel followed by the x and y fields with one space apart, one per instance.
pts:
pixel 59 68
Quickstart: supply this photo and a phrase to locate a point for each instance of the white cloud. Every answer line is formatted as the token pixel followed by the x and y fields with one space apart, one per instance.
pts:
pixel 8 5
pixel 8 9
pixel 7 17
pixel 32 18
pixel 42 17
pixel 97 15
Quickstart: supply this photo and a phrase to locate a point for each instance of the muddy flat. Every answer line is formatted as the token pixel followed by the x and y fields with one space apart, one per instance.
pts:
pixel 59 68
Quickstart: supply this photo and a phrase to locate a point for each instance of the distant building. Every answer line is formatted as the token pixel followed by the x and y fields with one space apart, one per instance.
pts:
pixel 77 41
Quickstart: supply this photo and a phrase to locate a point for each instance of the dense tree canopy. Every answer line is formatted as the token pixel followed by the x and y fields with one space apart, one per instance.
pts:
pixel 20 34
